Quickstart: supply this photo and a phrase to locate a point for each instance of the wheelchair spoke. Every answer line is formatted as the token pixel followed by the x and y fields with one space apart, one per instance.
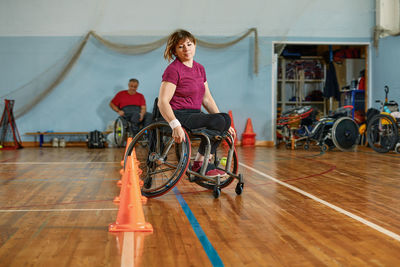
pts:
pixel 161 171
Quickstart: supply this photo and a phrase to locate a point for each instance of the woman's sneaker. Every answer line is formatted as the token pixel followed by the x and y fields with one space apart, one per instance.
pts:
pixel 211 171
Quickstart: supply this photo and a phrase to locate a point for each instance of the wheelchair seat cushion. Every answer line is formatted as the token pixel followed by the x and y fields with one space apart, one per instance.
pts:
pixel 210 133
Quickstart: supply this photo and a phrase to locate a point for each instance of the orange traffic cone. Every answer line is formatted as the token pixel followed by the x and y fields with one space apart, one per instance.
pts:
pixel 248 137
pixel 130 216
pixel 128 142
pixel 124 174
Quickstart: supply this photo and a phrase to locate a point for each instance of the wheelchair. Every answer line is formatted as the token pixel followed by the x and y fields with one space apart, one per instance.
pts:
pixel 123 130
pixel 335 130
pixel 163 162
pixel 383 128
pixel 292 122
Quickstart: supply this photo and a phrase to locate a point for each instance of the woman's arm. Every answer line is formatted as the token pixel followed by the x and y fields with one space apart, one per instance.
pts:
pixel 167 91
pixel 208 101
pixel 165 95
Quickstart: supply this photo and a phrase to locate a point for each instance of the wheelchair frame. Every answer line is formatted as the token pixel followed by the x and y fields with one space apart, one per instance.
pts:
pixel 383 133
pixel 328 134
pixel 159 155
pixel 122 130
pixel 336 130
pixel 383 129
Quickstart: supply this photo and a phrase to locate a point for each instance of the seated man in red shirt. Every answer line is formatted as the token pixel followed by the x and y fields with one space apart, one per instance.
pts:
pixel 131 105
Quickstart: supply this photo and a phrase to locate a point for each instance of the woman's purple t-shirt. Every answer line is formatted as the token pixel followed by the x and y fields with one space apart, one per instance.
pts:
pixel 189 83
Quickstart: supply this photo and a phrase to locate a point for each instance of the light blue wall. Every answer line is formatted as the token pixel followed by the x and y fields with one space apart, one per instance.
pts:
pixel 32 44
pixel 80 102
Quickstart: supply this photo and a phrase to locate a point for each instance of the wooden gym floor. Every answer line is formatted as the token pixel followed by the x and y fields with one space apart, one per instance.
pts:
pixel 298 208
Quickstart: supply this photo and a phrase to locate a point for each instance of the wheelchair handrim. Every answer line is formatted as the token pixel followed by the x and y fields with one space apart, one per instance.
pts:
pixel 177 175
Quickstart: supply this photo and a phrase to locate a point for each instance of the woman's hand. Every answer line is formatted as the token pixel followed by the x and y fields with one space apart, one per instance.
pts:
pixel 178 134
pixel 232 132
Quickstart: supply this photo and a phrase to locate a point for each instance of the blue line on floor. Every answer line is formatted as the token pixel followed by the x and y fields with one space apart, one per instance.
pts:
pixel 208 248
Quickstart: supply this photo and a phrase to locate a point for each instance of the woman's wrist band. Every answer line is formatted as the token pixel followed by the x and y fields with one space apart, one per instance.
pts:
pixel 174 123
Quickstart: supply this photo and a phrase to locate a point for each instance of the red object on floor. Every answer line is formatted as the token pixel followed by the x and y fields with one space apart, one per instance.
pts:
pixel 249 136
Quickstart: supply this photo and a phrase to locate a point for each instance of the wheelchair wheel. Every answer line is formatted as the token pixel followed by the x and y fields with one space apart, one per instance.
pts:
pixel 382 133
pixel 120 132
pixel 345 134
pixel 156 152
pixel 222 153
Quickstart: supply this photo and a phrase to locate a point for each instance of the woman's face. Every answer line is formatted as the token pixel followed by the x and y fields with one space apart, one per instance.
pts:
pixel 185 50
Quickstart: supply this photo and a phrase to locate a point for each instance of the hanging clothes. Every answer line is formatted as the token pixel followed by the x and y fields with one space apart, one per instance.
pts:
pixel 331 84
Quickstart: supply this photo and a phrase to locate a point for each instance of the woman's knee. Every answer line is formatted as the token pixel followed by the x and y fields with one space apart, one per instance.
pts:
pixel 217 122
pixel 227 121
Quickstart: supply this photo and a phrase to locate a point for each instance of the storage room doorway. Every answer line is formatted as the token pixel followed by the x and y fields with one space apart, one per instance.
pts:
pixel 322 76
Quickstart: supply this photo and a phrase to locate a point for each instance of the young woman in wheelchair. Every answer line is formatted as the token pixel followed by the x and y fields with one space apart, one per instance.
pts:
pixel 184 90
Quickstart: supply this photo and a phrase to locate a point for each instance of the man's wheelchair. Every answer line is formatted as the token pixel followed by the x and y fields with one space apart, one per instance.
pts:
pixel 163 162
pixel 123 129
pixel 335 130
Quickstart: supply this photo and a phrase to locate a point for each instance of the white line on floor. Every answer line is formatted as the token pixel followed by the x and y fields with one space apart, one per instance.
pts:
pixel 323 202
pixel 128 250
pixel 58 210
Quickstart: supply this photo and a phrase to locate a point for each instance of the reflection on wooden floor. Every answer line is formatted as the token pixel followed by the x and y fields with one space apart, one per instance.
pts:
pixel 56 204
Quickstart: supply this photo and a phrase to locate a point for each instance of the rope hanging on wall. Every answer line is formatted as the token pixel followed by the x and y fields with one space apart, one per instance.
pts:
pixel 42 85
pixel 145 48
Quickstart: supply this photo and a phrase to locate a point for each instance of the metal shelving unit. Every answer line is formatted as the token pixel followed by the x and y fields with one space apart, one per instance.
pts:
pixel 298 78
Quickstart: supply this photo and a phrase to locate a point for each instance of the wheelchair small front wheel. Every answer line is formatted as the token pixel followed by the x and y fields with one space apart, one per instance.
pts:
pixel 324 147
pixel 239 188
pixel 216 192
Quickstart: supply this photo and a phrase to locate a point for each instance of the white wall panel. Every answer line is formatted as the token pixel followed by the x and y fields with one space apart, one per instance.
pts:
pixel 311 18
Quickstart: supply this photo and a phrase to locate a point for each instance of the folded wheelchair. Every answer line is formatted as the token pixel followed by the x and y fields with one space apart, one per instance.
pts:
pixel 294 121
pixel 163 162
pixel 300 125
pixel 335 130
